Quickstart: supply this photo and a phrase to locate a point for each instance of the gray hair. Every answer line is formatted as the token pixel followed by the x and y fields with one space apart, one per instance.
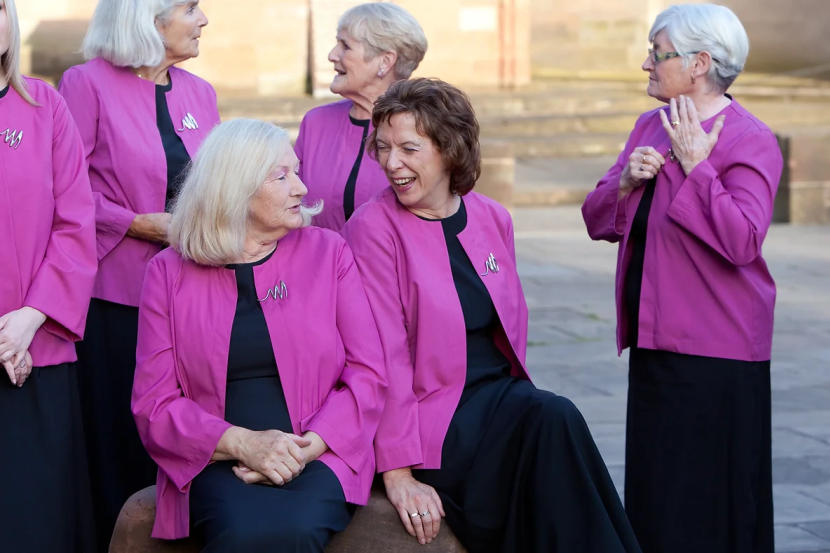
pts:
pixel 694 28
pixel 384 27
pixel 125 32
pixel 212 211
pixel 10 61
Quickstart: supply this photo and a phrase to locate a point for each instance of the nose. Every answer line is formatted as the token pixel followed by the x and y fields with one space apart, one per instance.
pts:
pixel 203 20
pixel 393 161
pixel 334 54
pixel 299 187
pixel 648 65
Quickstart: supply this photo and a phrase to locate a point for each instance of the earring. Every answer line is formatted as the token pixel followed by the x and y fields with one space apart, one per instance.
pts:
pixel 380 73
pixel 693 79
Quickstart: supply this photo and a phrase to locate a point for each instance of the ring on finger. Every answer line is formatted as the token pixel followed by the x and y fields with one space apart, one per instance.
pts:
pixel 675 123
pixel 425 514
pixel 414 515
pixel 642 168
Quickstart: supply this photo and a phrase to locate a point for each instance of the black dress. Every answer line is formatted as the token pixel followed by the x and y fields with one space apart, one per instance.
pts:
pixel 519 469
pixel 230 516
pixel 118 463
pixel 348 191
pixel 698 463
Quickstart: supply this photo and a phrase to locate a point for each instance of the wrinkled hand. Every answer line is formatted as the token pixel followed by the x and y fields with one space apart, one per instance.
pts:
pixel 151 227
pixel 274 454
pixel 17 330
pixel 316 447
pixel 690 143
pixel 19 370
pixel 409 497
pixel 643 165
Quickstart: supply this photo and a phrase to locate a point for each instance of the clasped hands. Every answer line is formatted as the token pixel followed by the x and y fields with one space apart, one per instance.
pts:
pixel 272 457
pixel 690 145
pixel 17 330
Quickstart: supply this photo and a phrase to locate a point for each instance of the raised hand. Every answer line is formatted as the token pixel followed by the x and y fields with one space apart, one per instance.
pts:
pixel 691 145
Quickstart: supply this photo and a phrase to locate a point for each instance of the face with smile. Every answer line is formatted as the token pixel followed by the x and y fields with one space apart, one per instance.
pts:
pixel 182 29
pixel 413 165
pixel 667 79
pixel 276 204
pixel 353 73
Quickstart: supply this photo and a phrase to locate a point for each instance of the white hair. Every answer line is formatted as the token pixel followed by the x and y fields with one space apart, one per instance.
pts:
pixel 384 27
pixel 125 32
pixel 694 28
pixel 212 211
pixel 10 61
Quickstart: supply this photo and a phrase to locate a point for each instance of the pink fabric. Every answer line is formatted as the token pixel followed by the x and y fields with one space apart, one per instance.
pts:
pixel 706 287
pixel 327 146
pixel 406 272
pixel 326 347
pixel 46 221
pixel 116 115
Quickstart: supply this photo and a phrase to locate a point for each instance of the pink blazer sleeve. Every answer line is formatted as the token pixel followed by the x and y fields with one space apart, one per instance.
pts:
pixel 299 145
pixel 398 442
pixel 112 221
pixel 732 213
pixel 179 435
pixel 62 285
pixel 349 417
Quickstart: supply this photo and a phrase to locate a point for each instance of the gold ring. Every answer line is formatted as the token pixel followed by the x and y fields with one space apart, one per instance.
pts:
pixel 675 123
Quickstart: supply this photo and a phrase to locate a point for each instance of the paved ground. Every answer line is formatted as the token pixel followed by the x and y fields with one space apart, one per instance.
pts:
pixel 568 281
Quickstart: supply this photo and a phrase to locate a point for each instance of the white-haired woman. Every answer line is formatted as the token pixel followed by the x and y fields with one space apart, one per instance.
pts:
pixel 141 119
pixel 377 44
pixel 259 361
pixel 690 201
pixel 46 277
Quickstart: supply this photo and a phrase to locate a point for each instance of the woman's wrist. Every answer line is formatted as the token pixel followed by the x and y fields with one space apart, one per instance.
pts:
pixel 392 476
pixel 230 446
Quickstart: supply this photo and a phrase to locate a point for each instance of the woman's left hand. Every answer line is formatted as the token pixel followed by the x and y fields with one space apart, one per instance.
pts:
pixel 690 143
pixel 17 329
pixel 310 452
pixel 19 368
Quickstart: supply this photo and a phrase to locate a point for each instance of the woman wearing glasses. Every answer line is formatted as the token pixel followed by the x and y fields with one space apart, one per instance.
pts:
pixel 690 201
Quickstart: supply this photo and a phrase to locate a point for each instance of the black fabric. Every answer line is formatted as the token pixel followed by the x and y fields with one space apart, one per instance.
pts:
pixel 520 473
pixel 229 516
pixel 174 150
pixel 45 501
pixel 698 454
pixel 118 463
pixel 634 276
pixel 4 91
pixel 348 192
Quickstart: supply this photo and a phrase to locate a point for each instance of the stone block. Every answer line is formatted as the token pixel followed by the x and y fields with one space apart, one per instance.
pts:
pixel 498 172
pixel 804 191
pixel 375 527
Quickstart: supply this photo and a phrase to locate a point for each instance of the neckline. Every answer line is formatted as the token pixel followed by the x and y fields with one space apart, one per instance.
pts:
pixel 358 122
pixel 236 266
pixel 449 219
pixel 165 87
pixel 5 90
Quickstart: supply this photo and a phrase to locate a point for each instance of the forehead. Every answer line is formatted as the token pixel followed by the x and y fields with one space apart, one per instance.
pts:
pixel 400 124
pixel 661 41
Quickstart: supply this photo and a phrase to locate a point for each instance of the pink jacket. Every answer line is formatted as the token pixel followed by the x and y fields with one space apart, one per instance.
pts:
pixel 327 146
pixel 116 115
pixel 406 272
pixel 325 343
pixel 46 220
pixel 706 287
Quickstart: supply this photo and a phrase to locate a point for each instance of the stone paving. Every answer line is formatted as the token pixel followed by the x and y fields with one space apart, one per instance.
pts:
pixel 568 281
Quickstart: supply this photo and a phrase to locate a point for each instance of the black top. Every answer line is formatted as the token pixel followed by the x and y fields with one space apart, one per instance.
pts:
pixel 485 361
pixel 254 397
pixel 174 150
pixel 348 192
pixel 4 91
pixel 634 276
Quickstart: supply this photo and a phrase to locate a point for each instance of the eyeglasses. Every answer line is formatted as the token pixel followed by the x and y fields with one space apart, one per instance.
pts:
pixel 657 58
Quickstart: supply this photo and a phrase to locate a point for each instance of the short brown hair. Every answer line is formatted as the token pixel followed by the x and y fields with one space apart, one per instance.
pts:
pixel 442 113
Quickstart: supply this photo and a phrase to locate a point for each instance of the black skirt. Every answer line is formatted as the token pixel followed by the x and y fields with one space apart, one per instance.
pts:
pixel 520 473
pixel 45 503
pixel 118 463
pixel 698 454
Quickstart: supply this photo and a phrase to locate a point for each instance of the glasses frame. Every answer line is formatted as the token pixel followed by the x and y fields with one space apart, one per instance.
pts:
pixel 657 58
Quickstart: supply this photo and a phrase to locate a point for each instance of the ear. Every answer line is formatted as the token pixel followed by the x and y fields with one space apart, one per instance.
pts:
pixel 387 62
pixel 702 64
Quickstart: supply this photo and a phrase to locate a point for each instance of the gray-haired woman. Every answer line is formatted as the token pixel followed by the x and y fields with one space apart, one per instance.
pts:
pixel 141 119
pixel 690 202
pixel 377 44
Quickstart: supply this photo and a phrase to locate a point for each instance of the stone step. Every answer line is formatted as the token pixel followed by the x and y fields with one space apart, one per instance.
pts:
pixel 557 181
pixel 568 145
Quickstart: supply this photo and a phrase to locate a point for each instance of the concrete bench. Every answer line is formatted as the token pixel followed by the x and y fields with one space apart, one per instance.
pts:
pixel 376 528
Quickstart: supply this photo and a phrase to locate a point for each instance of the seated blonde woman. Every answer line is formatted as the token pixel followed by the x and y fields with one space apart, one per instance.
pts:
pixel 258 358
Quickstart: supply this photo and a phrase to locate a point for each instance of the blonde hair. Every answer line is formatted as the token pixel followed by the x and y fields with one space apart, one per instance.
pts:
pixel 125 32
pixel 212 211
pixel 384 27
pixel 11 59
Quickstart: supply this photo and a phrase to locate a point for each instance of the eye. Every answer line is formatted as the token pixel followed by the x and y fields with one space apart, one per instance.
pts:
pixel 410 150
pixel 382 147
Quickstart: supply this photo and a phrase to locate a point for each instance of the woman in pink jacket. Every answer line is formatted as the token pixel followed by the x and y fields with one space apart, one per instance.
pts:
pixel 141 119
pixel 690 201
pixel 465 434
pixel 259 361
pixel 46 276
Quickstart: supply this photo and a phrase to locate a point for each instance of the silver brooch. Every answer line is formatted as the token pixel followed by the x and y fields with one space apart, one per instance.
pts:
pixel 491 264
pixel 189 122
pixel 12 139
pixel 280 291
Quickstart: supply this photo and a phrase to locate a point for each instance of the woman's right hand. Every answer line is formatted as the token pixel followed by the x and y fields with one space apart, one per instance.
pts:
pixel 643 165
pixel 273 454
pixel 410 497
pixel 151 227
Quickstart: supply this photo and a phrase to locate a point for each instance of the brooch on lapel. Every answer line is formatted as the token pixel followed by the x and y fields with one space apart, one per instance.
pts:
pixel 491 265
pixel 189 122
pixel 12 139
pixel 280 291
